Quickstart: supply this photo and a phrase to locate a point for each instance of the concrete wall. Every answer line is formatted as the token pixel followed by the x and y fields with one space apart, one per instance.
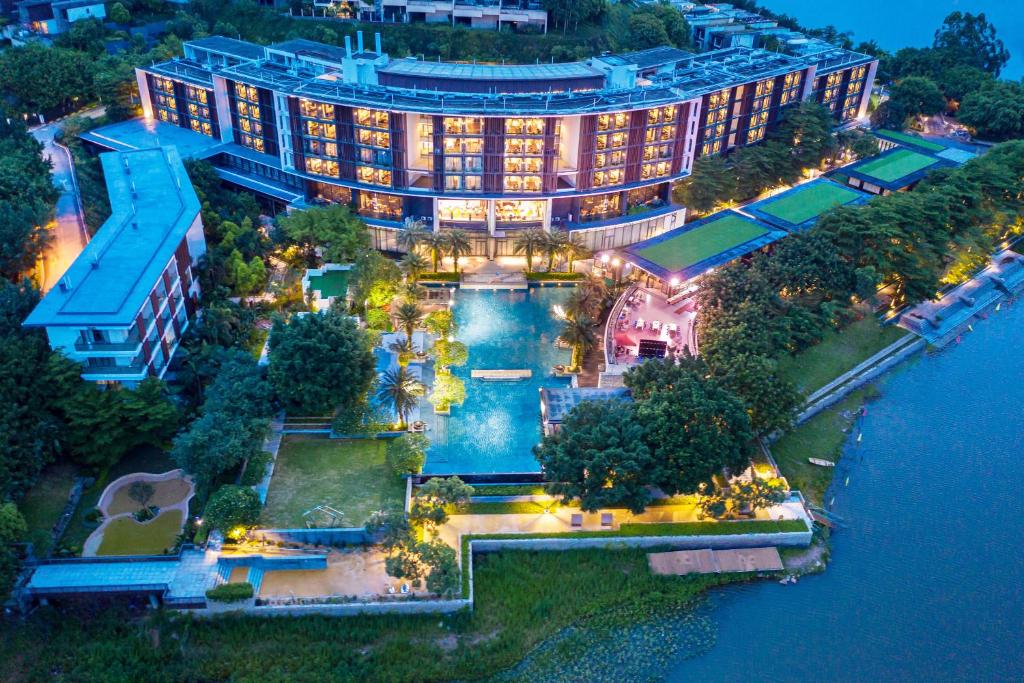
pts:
pixel 782 539
pixel 336 536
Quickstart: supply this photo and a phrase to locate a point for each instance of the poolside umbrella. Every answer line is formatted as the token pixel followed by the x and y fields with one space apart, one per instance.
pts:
pixel 623 339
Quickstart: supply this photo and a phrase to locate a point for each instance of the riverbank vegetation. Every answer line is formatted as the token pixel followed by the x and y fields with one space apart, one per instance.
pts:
pixel 520 603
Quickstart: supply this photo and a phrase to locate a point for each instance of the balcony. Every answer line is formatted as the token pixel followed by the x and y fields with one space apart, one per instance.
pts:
pixel 100 371
pixel 130 344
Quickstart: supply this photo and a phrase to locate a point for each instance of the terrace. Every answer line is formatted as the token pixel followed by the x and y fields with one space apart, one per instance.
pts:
pixel 799 208
pixel 894 170
pixel 646 316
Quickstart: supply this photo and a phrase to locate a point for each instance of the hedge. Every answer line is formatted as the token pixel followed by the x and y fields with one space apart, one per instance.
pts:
pixel 556 277
pixel 231 592
pixel 438 277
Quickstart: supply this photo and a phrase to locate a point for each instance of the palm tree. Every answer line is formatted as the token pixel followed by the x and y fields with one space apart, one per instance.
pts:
pixel 553 244
pixel 579 334
pixel 458 246
pixel 582 303
pixel 437 243
pixel 412 235
pixel 412 264
pixel 398 389
pixel 527 243
pixel 408 316
pixel 575 250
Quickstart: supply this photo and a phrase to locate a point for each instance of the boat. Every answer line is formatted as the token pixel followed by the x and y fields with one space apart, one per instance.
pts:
pixel 821 463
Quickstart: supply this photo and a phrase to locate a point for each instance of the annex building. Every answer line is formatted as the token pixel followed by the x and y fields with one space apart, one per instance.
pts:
pixel 587 147
pixel 121 307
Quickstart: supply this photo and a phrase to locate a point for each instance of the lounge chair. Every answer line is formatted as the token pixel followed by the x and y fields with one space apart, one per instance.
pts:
pixel 405 589
pixel 577 520
pixel 655 325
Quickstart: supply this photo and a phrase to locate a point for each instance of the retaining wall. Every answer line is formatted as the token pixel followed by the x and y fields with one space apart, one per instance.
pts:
pixel 333 536
pixel 780 539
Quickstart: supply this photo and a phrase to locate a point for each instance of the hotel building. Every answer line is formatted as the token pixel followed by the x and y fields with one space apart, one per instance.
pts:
pixel 590 147
pixel 121 308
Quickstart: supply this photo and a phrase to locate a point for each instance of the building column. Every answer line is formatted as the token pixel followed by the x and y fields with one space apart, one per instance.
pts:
pixel 437 218
pixel 547 216
pixel 492 222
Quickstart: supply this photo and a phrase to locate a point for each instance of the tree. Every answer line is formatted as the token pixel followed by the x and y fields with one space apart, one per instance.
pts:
pixel 319 362
pixel 407 453
pixel 245 278
pixel 440 323
pixel 553 244
pixel 376 279
pixel 600 457
pixel 408 317
pixel 38 78
pixel 771 401
pixel 806 130
pixel 215 443
pixel 914 96
pixel 569 13
pixel 574 250
pixel 141 492
pixel 433 500
pixel 711 182
pixel 119 14
pixel 412 264
pixel 692 426
pixel 437 244
pixel 398 389
pixel 12 530
pixel 231 507
pixel 528 243
pixel 23 236
pixel 458 246
pixel 995 112
pixel 449 354
pixel 579 334
pixel 148 408
pixel 647 31
pixel 444 576
pixel 334 230
pixel 973 39
pixel 449 390
pixel 411 236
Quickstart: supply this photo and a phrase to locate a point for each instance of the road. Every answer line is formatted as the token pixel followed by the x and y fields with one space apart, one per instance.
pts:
pixel 67 229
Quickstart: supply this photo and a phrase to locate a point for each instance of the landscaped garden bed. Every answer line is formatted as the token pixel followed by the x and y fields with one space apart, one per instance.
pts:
pixel 352 477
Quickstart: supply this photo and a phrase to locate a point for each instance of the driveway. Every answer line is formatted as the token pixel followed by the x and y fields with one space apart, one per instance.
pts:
pixel 67 229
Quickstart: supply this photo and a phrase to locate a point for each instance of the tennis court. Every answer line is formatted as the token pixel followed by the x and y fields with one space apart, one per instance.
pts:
pixel 693 246
pixel 803 204
pixel 899 164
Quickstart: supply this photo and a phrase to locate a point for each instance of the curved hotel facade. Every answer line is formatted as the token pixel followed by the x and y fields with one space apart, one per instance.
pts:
pixel 588 147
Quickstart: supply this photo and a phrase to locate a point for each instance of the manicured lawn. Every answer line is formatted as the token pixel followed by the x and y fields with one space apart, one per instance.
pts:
pixel 125 536
pixel 897 136
pixel 894 166
pixel 839 352
pixel 350 476
pixel 809 202
pixel 42 505
pixel 331 283
pixel 142 459
pixel 820 437
pixel 694 246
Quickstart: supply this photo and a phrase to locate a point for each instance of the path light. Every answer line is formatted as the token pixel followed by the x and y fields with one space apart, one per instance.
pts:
pixel 199 521
pixel 616 262
pixel 674 282
pixel 604 258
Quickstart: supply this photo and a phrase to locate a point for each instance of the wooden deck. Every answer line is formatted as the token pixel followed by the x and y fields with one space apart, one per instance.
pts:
pixel 683 562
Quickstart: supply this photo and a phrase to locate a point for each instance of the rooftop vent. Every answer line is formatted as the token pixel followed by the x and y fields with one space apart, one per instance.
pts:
pixel 65 284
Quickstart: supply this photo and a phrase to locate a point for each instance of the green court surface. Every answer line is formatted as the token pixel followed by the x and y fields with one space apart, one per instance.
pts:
pixel 331 283
pixel 897 165
pixel 897 136
pixel 693 246
pixel 809 202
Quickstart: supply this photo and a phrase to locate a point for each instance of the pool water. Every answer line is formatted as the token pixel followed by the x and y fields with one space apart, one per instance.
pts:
pixel 495 430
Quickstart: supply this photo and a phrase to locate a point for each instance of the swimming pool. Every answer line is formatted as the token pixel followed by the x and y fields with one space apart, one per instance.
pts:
pixel 498 425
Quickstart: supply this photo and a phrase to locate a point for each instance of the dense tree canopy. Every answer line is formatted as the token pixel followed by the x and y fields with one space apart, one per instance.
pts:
pixel 320 363
pixel 995 110
pixel 232 506
pixel 333 231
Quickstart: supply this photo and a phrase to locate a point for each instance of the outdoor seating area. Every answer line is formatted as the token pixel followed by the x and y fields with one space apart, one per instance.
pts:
pixel 647 316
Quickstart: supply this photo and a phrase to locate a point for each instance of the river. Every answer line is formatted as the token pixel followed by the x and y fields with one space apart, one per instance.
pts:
pixel 926 582
pixel 911 23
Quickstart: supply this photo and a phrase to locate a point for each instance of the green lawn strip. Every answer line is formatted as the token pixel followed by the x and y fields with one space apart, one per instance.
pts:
pixel 521 601
pixel 509 490
pixel 820 437
pixel 259 337
pixel 43 503
pixel 694 246
pixel 727 528
pixel 350 476
pixel 897 165
pixel 125 536
pixel 897 136
pixel 802 205
pixel 838 353
pixel 142 459
pixel 553 277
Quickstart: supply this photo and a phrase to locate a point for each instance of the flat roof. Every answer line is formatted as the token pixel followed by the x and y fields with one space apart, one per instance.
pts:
pixel 557 402
pixel 895 168
pixel 800 207
pixel 153 205
pixel 490 72
pixel 329 283
pixel 229 46
pixel 695 248
pixel 135 134
pixel 302 46
pixel 909 140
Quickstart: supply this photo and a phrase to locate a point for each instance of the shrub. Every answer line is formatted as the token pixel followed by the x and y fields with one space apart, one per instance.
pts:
pixel 566 277
pixel 407 453
pixel 231 507
pixel 230 592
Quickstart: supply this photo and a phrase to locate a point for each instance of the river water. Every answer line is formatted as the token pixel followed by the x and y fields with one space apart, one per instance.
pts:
pixel 909 23
pixel 925 584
